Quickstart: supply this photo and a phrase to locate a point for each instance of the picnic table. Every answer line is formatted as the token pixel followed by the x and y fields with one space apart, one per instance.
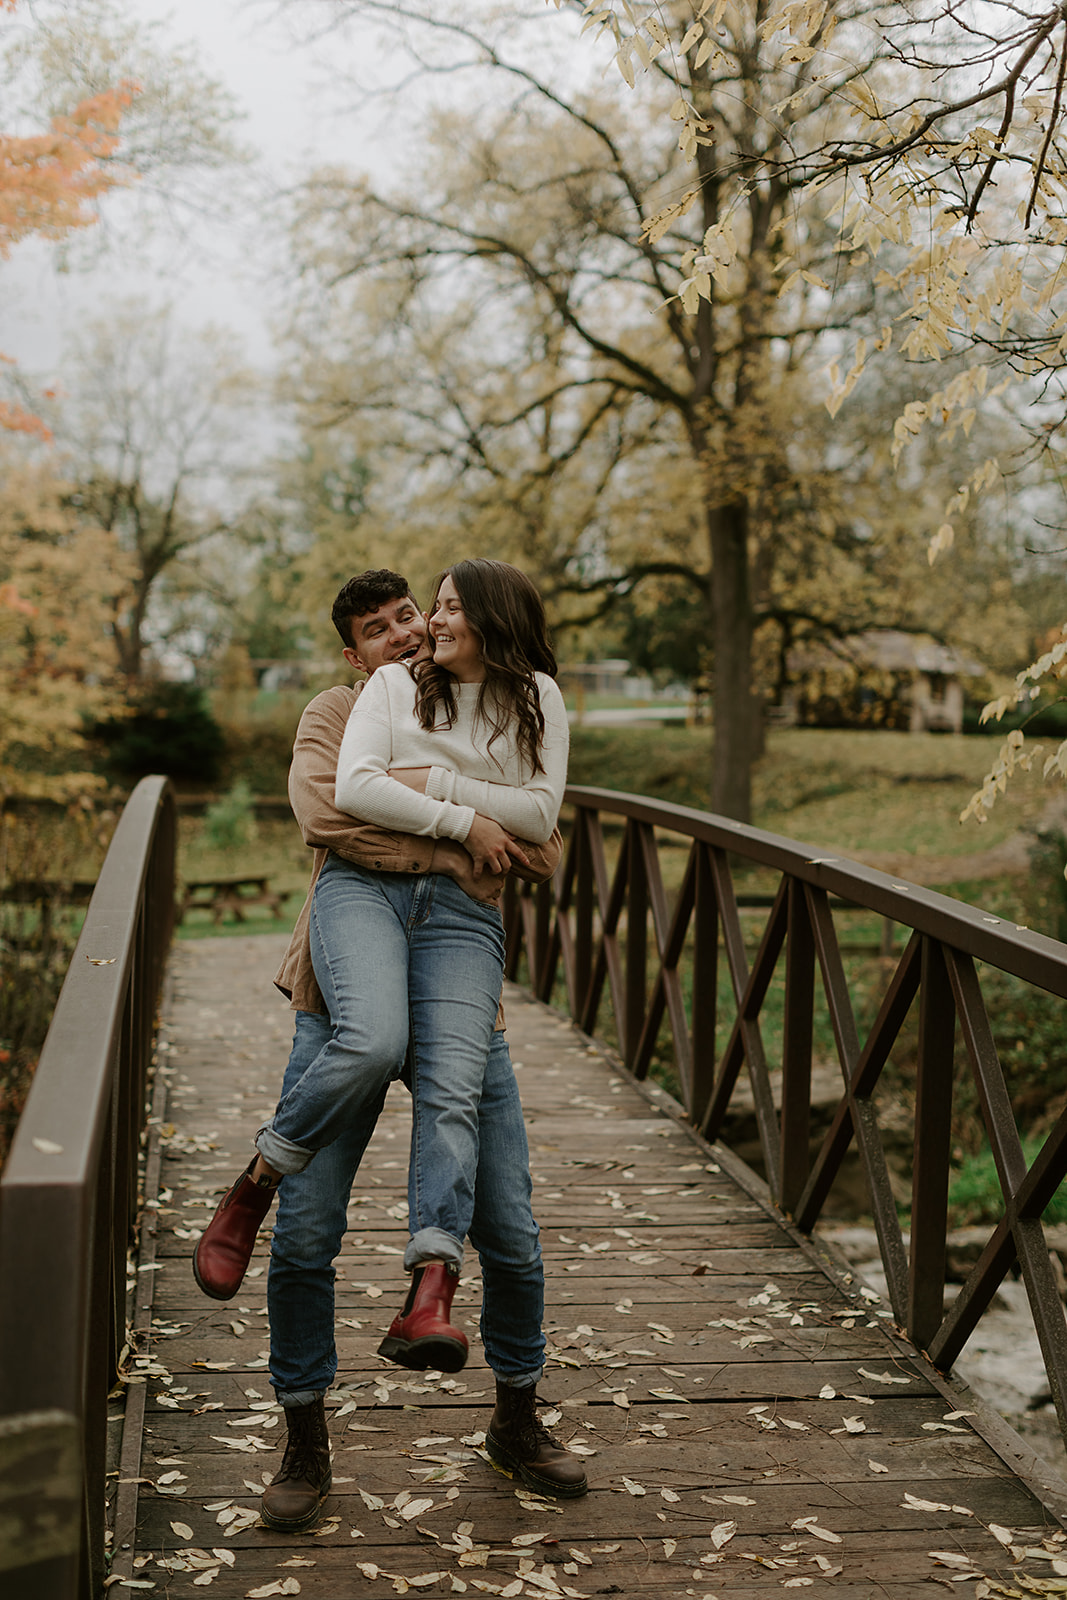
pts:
pixel 235 893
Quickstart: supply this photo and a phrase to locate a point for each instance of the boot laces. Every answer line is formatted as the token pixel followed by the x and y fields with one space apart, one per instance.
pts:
pixel 302 1452
pixel 532 1431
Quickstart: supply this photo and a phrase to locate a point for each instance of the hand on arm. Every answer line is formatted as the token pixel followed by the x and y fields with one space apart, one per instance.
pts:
pixel 528 810
pixel 489 846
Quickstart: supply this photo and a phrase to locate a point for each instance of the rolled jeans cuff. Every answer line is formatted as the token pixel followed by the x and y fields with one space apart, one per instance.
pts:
pixel 299 1397
pixel 281 1153
pixel 524 1380
pixel 432 1244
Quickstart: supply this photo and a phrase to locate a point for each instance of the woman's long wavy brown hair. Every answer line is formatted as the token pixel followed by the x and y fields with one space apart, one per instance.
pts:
pixel 508 615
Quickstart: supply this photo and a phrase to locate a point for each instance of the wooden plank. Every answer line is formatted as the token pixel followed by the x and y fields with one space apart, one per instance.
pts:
pixel 699 1351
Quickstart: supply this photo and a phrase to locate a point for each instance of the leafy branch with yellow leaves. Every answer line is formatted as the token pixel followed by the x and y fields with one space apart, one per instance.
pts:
pixel 950 166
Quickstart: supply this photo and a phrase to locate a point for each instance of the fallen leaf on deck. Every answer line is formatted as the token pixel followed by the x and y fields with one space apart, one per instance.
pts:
pixel 722 1533
pixel 951 1558
pixel 414 1508
pixel 876 1466
pixel 811 1525
pixel 632 1487
pixel 882 1377
pixel 182 1529
pixel 911 1502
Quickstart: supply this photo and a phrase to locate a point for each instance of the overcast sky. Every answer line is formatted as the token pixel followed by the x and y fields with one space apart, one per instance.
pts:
pixel 294 115
pixel 212 271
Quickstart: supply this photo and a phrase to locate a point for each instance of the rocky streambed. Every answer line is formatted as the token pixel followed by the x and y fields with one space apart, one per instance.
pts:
pixel 1002 1360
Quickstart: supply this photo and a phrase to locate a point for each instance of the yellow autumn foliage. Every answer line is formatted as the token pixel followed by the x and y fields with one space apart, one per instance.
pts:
pixel 61 580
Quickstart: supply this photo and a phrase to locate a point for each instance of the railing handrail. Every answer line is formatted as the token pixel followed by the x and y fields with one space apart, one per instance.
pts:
pixel 606 929
pixel 68 1192
pixel 1012 948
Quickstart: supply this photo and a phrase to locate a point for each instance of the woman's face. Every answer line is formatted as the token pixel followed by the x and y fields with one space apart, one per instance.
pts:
pixel 456 646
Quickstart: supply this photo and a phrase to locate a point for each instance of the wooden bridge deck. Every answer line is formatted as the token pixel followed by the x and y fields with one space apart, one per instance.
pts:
pixel 750 1420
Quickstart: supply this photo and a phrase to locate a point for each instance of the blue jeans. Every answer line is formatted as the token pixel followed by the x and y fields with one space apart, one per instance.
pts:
pixel 310 1225
pixel 393 955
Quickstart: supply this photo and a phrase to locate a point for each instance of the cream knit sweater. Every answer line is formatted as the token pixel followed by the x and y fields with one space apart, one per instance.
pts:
pixel 465 776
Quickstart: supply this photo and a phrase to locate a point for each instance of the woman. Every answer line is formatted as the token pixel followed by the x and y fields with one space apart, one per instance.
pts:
pixel 471 745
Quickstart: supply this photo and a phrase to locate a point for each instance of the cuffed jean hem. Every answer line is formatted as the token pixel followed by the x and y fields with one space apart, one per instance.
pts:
pixel 432 1244
pixel 307 1397
pixel 525 1380
pixel 281 1153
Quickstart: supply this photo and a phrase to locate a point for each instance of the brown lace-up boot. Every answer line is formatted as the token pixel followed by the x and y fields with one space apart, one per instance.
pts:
pixel 293 1499
pixel 519 1444
pixel 421 1335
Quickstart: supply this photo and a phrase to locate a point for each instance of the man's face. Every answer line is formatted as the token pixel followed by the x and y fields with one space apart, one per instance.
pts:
pixel 396 631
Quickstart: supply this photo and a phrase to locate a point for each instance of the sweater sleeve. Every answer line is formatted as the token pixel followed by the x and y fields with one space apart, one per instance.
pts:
pixel 312 780
pixel 531 810
pixel 364 787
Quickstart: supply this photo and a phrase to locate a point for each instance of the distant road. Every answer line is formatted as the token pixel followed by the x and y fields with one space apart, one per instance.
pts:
pixel 630 714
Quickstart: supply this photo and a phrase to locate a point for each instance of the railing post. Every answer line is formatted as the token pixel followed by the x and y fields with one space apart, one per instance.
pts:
pixel 636 946
pixel 933 1133
pixel 584 896
pixel 796 1048
pixel 705 984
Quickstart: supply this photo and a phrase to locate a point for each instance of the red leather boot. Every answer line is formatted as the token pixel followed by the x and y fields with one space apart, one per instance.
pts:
pixel 421 1336
pixel 221 1257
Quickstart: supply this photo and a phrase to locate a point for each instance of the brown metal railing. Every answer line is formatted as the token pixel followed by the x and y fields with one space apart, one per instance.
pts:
pixel 618 931
pixel 68 1193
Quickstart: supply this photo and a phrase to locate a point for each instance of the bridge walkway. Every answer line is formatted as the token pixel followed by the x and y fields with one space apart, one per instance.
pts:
pixel 749 1418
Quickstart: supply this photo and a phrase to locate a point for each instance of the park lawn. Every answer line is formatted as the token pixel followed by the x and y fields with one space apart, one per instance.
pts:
pixel 867 791
pixel 274 849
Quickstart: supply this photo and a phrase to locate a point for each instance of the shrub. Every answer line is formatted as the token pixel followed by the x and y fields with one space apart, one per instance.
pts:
pixel 168 728
pixel 974 1193
pixel 230 822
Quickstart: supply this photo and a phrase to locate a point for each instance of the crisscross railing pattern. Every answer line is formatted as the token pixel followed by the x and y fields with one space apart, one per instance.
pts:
pixel 616 935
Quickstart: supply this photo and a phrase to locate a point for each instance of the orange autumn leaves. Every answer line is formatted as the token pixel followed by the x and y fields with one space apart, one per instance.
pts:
pixel 48 182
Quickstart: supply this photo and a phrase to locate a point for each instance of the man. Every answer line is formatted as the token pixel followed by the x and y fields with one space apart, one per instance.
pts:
pixel 379 622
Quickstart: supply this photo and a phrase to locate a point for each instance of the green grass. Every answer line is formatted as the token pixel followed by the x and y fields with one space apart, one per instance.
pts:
pixel 975 1196
pixel 275 850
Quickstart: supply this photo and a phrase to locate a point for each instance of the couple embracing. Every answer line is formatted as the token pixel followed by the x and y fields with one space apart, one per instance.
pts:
pixel 418 791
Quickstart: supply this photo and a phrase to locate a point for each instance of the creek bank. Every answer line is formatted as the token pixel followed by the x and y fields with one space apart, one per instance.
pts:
pixel 1002 1360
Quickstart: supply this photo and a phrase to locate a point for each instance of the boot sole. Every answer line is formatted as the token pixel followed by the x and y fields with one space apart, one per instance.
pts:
pixel 424 1355
pixel 297 1524
pixel 510 1468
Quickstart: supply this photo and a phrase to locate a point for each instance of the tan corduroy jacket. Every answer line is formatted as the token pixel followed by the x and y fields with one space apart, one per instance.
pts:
pixel 324 827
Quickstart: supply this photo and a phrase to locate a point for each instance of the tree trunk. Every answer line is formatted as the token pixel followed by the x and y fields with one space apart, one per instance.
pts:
pixel 733 704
